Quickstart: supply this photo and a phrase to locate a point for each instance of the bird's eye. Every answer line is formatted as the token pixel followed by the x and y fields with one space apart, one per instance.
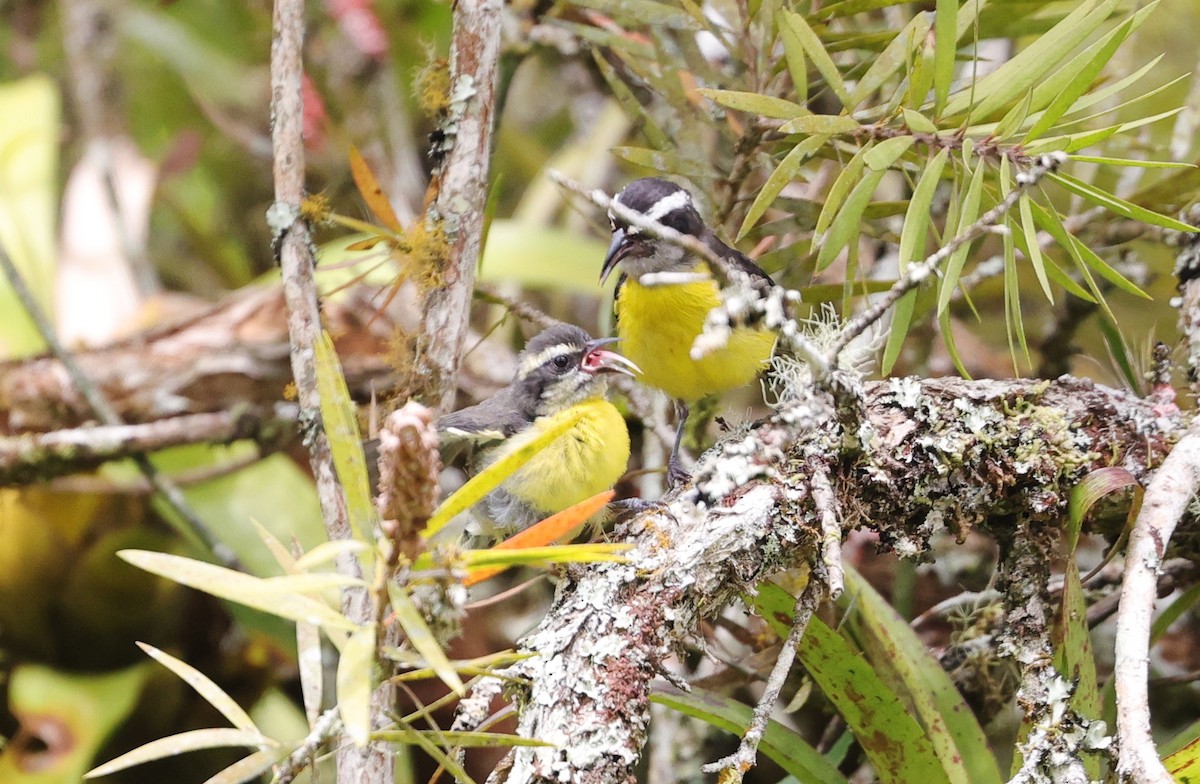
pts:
pixel 561 362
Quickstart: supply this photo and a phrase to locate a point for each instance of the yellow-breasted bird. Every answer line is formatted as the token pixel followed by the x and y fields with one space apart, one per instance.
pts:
pixel 561 371
pixel 657 324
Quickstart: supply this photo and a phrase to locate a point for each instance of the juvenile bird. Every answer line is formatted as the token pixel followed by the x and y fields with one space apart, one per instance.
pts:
pixel 658 323
pixel 562 371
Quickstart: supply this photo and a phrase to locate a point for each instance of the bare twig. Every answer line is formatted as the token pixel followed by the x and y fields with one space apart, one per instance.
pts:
pixel 38 456
pixel 1167 498
pixel 100 405
pixel 831 531
pixel 326 727
pixel 369 765
pixel 734 767
pixel 462 193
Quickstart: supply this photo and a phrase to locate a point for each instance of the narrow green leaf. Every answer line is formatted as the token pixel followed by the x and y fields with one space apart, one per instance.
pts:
pixel 920 77
pixel 439 755
pixel 1173 612
pixel 1118 205
pixel 487 480
pixel 967 15
pixel 644 12
pixel 1014 322
pixel 783 746
pixel 892 59
pixel 1015 118
pixel 793 52
pixel 1030 64
pixel 945 47
pixel 237 587
pixel 1051 223
pixel 1082 79
pixel 1131 162
pixel 830 124
pixel 1033 251
pixel 845 182
pixel 951 346
pixel 919 123
pixel 1120 353
pixel 340 421
pixel 754 103
pixel 885 153
pixel 535 556
pixel 421 637
pixel 808 39
pixel 890 736
pixel 916 219
pixel 902 316
pixel 784 173
pixel 451 739
pixel 355 682
pixel 967 216
pixel 205 687
pixel 1087 491
pixel 845 8
pixel 952 728
pixel 1184 765
pixel 845 227
pixel 181 743
pixel 250 767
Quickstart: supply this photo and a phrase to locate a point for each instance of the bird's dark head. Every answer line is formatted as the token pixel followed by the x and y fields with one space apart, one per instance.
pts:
pixel 658 200
pixel 563 365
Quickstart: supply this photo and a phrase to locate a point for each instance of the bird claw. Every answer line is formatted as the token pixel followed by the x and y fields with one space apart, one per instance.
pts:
pixel 676 473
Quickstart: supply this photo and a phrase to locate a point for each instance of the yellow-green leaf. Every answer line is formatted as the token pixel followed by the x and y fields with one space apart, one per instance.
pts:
pixel 237 587
pixel 754 103
pixel 830 124
pixel 487 480
pixel 966 217
pixel 422 639
pixel 340 422
pixel 887 152
pixel 945 47
pixel 355 682
pixel 193 740
pixel 784 173
pixel 213 694
pixel 808 39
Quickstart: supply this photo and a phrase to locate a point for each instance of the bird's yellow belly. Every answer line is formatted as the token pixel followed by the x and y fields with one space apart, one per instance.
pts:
pixel 657 326
pixel 588 459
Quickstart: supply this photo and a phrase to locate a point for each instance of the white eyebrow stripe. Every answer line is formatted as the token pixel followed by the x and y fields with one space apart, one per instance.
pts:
pixel 535 361
pixel 668 204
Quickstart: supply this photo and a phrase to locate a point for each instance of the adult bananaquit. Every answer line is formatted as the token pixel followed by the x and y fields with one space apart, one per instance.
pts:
pixel 561 371
pixel 657 324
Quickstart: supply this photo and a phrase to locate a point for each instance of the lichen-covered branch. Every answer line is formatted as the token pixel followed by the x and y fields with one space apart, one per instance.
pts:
pixel 925 456
pixel 462 188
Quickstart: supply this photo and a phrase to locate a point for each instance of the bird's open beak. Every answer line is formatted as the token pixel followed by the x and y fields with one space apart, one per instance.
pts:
pixel 619 248
pixel 597 359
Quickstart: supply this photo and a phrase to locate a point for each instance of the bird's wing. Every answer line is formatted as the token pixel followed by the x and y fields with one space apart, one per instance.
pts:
pixel 743 262
pixel 493 420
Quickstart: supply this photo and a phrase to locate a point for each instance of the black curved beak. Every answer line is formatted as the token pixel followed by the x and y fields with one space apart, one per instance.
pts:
pixel 597 359
pixel 617 250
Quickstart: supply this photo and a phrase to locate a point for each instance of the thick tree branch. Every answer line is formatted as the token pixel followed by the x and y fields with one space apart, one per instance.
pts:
pixel 926 456
pixel 462 188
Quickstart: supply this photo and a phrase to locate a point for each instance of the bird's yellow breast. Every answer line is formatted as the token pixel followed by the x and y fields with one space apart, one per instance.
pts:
pixel 587 459
pixel 657 326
